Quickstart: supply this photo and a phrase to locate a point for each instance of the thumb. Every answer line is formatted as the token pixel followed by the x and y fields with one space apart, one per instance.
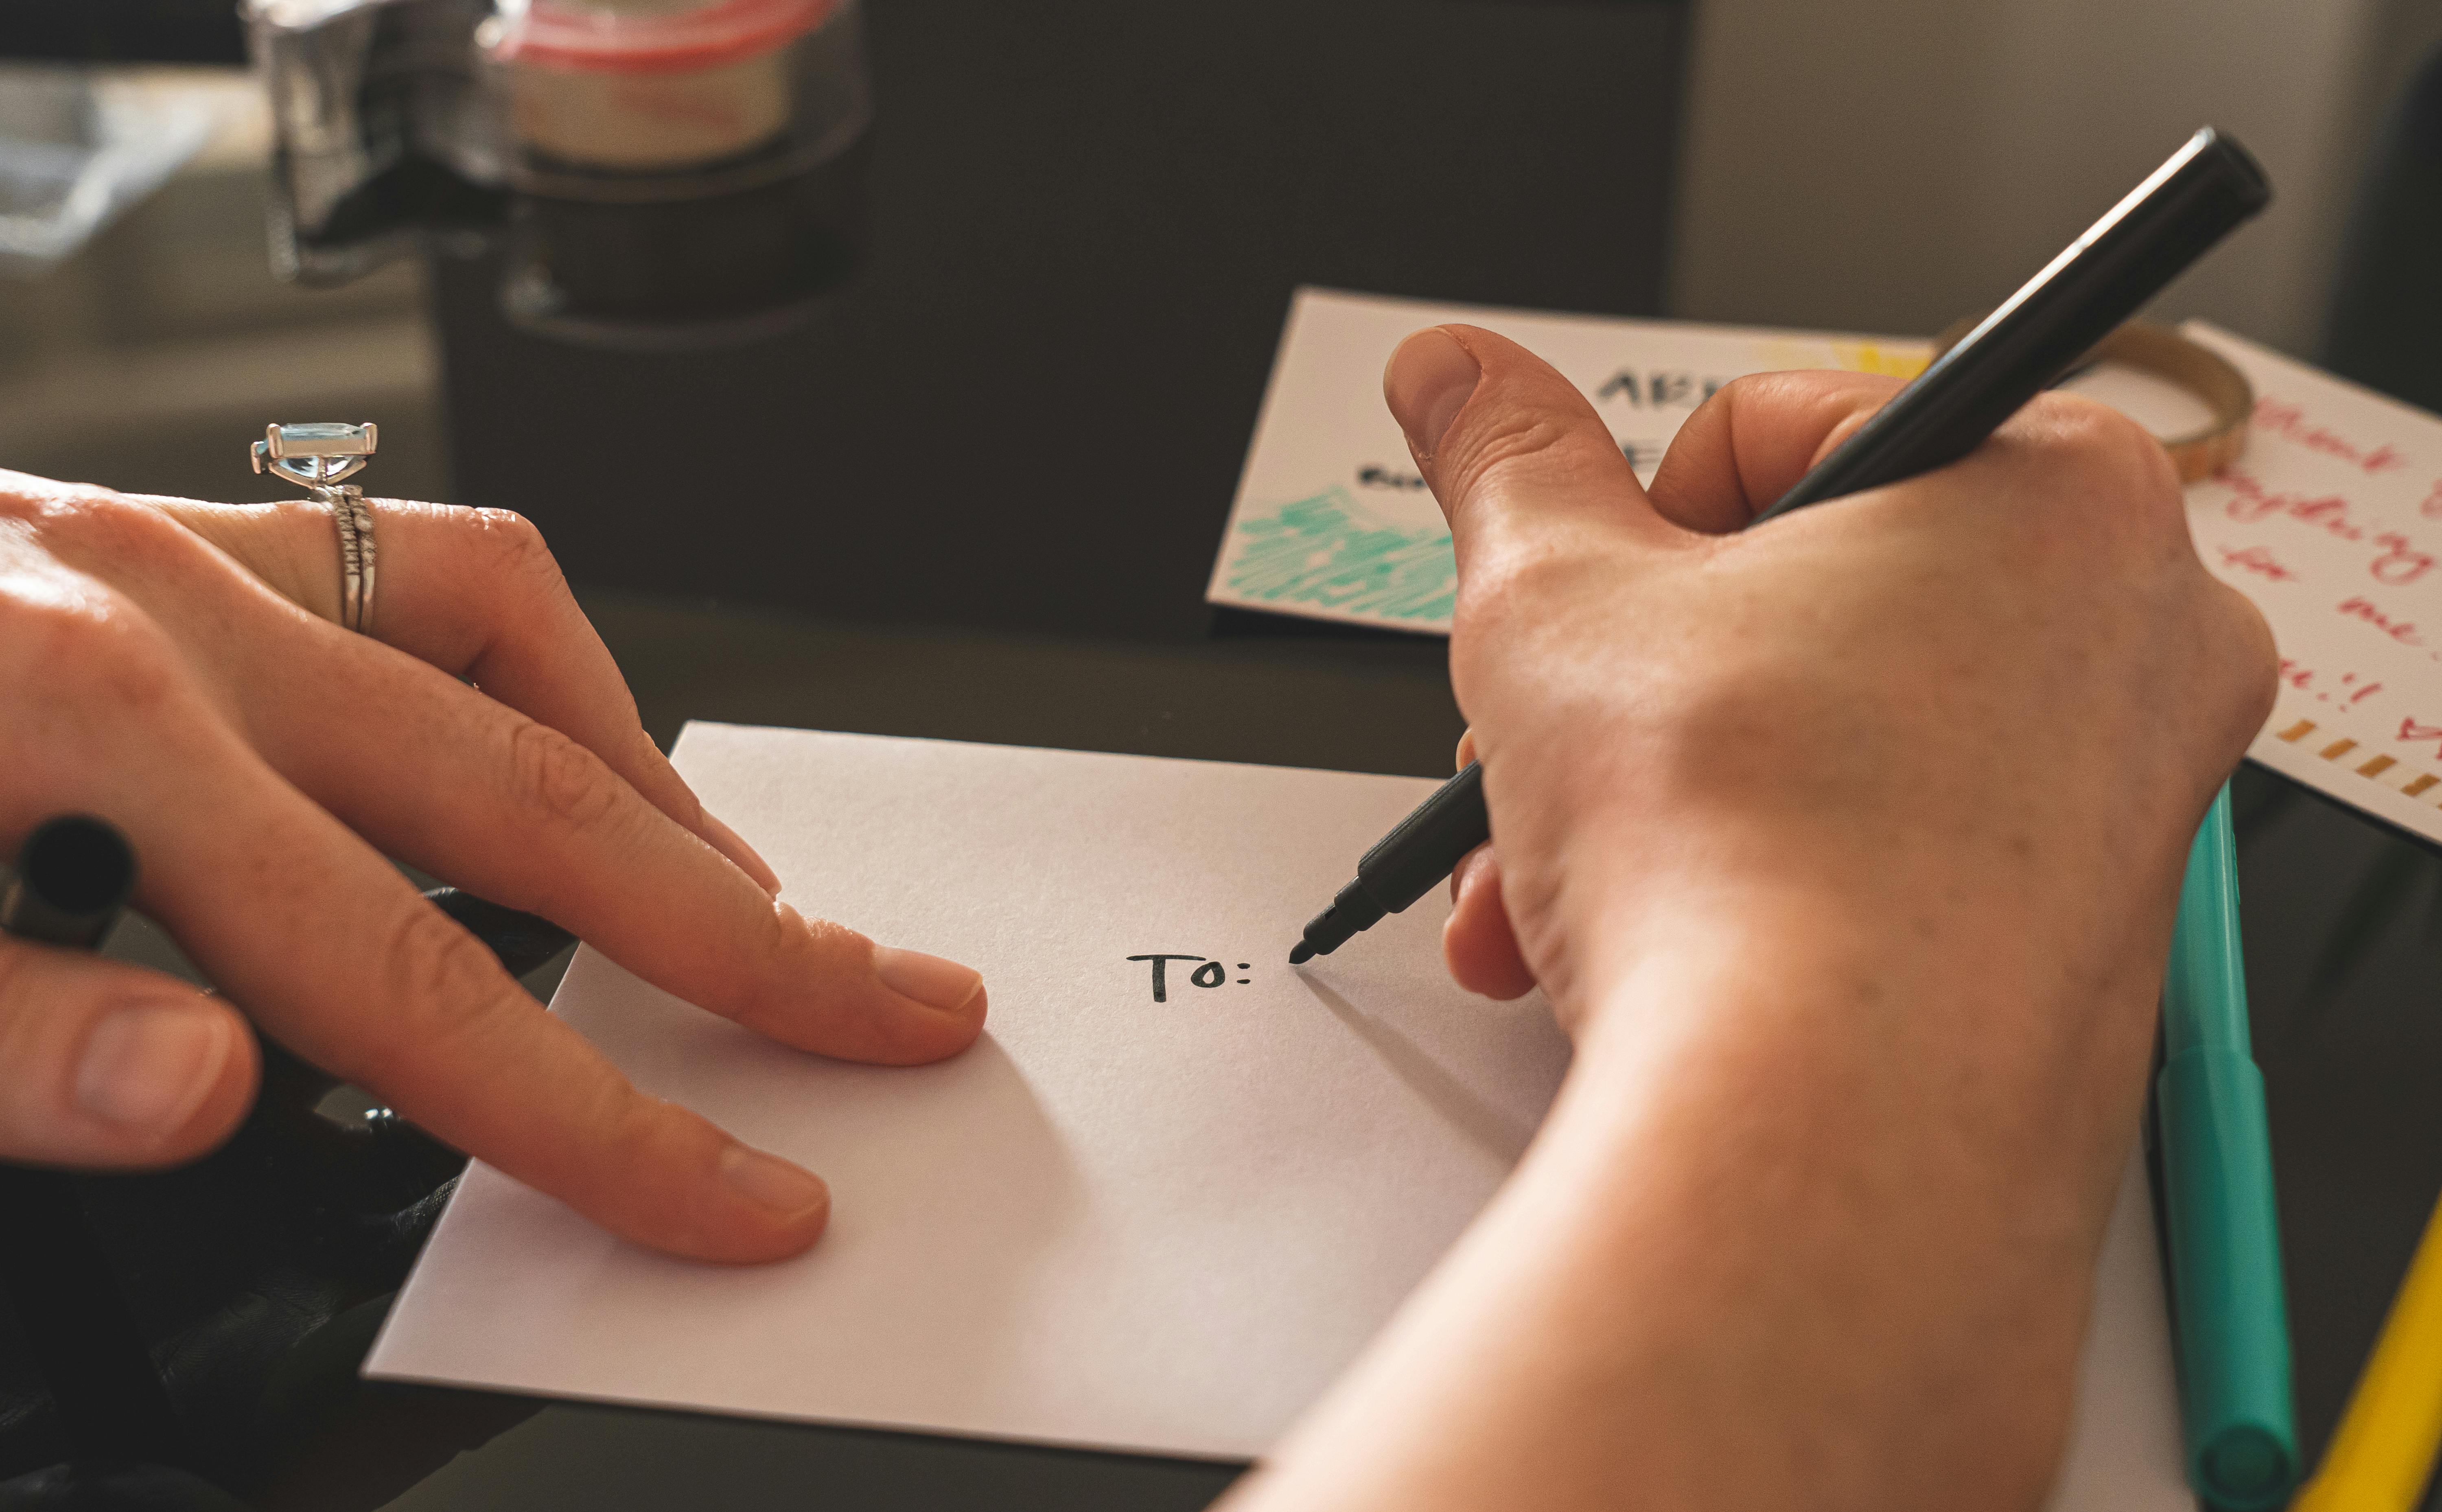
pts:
pixel 1516 455
pixel 103 1065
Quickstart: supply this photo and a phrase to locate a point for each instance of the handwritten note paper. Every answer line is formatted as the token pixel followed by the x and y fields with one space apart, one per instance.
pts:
pixel 2331 522
pixel 1331 520
pixel 1163 1202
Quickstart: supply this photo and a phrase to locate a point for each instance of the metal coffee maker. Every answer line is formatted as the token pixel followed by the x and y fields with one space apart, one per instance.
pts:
pixel 651 173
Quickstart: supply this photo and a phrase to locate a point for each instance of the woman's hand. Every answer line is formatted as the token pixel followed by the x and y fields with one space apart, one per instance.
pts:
pixel 173 667
pixel 1847 850
pixel 1994 700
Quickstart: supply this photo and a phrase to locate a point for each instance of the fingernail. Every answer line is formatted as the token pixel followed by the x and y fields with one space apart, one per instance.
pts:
pixel 769 1181
pixel 929 979
pixel 733 844
pixel 1427 384
pixel 151 1066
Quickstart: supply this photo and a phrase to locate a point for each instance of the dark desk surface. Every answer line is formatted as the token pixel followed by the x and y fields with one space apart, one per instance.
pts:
pixel 2342 921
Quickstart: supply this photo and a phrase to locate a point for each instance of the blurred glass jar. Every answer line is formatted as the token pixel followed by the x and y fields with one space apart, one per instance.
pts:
pixel 630 99
pixel 670 173
pixel 685 167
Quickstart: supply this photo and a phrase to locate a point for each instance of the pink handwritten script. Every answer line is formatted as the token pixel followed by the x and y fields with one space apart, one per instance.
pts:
pixel 2346 690
pixel 2401 630
pixel 2283 418
pixel 2249 501
pixel 2411 729
pixel 2399 561
pixel 2331 522
pixel 2257 560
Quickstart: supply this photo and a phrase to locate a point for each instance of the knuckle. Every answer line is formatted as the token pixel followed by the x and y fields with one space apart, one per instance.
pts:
pixel 1748 388
pixel 554 776
pixel 38 502
pixel 96 525
pixel 512 544
pixel 132 665
pixel 1770 395
pixel 1511 582
pixel 1813 402
pixel 2103 433
pixel 1798 389
pixel 2247 646
pixel 2114 461
pixel 449 989
pixel 759 984
pixel 85 646
pixel 684 808
pixel 645 1133
pixel 1514 441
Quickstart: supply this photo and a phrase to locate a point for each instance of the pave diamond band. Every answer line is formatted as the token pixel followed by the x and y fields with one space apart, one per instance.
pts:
pixel 317 457
pixel 356 557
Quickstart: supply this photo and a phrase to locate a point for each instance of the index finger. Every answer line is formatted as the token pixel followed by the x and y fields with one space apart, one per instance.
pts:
pixel 334 954
pixel 1743 448
pixel 477 593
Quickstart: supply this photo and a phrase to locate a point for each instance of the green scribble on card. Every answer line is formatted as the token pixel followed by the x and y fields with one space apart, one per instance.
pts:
pixel 1329 552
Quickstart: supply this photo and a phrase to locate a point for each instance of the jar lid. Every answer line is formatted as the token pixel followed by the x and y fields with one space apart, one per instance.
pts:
pixel 599 38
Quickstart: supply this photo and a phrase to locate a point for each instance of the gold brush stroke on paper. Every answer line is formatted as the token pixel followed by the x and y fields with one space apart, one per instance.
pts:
pixel 2372 769
pixel 1871 357
pixel 1895 359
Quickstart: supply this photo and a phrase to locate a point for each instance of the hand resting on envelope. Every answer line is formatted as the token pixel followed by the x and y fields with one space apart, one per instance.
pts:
pixel 175 668
pixel 1846 850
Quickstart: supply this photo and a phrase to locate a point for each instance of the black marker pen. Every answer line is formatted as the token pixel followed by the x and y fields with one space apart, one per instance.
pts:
pixel 2191 202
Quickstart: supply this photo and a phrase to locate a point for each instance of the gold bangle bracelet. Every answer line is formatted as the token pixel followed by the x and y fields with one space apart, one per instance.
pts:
pixel 2166 353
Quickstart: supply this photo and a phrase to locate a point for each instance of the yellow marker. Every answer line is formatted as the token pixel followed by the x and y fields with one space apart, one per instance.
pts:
pixel 2382 1453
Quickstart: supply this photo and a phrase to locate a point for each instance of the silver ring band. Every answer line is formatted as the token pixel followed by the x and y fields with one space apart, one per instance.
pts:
pixel 356 554
pixel 317 456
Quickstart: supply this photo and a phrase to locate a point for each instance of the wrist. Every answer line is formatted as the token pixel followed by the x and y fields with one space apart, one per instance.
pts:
pixel 1836 981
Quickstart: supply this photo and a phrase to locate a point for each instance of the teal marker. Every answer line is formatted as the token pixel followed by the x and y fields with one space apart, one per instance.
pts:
pixel 2232 1315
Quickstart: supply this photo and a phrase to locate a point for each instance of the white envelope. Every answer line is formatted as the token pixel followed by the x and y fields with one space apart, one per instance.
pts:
pixel 1156 1225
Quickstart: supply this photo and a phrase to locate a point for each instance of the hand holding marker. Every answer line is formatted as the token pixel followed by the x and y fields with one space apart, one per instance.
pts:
pixel 2208 187
pixel 2224 1257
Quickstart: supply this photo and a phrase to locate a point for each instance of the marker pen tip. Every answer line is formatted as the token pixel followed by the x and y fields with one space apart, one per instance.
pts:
pixel 1300 954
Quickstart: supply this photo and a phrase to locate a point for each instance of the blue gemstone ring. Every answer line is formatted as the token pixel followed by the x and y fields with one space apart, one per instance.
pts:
pixel 319 457
pixel 316 455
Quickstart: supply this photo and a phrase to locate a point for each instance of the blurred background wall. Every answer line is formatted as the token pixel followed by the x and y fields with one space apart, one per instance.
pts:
pixel 1873 165
pixel 149 360
pixel 1891 165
